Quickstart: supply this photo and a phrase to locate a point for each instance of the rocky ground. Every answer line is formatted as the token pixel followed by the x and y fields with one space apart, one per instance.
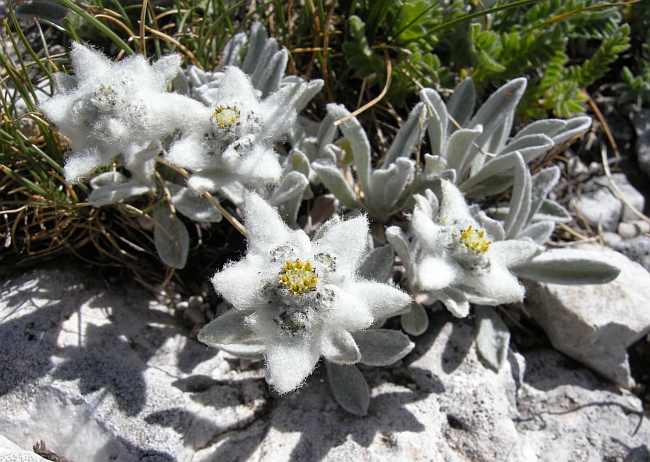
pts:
pixel 103 373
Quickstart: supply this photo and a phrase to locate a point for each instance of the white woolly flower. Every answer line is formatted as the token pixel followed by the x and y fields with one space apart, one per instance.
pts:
pixel 299 298
pixel 236 142
pixel 457 253
pixel 107 108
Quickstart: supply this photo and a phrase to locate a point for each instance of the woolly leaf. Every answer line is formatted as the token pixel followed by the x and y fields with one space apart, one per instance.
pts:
pixel 333 179
pixel 492 336
pixel 408 137
pixel 416 321
pixel 552 267
pixel 538 232
pixel 381 347
pixel 173 245
pixel 349 387
pixel 461 104
pixel 228 328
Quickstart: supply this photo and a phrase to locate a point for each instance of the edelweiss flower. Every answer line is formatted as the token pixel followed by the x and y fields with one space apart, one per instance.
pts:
pixel 458 254
pixel 236 142
pixel 299 298
pixel 106 107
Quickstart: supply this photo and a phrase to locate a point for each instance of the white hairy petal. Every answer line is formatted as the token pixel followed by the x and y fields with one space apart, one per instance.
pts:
pixel 239 283
pixel 437 273
pixel 290 361
pixel 381 299
pixel 347 241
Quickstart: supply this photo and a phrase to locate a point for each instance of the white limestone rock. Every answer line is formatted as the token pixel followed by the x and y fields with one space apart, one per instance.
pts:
pixel 598 204
pixel 109 375
pixel 637 249
pixel 595 324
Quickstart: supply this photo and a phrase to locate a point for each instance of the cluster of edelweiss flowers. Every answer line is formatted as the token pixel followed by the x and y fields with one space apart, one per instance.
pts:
pixel 294 297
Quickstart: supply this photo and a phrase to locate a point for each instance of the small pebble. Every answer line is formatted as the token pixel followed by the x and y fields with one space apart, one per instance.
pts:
pixel 196 316
pixel 642 226
pixel 627 230
pixel 595 167
pixel 182 306
pixel 610 239
pixel 195 301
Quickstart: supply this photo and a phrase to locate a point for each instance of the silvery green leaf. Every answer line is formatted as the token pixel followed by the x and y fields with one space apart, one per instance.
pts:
pixel 359 144
pixel 434 164
pixel 269 52
pixel 269 80
pixel 542 184
pixel 433 202
pixel 416 321
pixel 230 53
pixel 459 146
pixel 327 131
pixel 304 93
pixel 292 185
pixel 436 120
pixel 288 196
pixel 196 76
pixel 349 387
pixel 377 264
pixel 520 199
pixel 461 104
pixel 574 127
pixel 495 184
pixel 530 146
pixel 381 347
pixel 196 208
pixel 251 349
pixel 496 165
pixel 333 179
pixel 497 108
pixel 257 41
pixel 234 192
pixel 455 301
pixel 551 210
pixel 492 336
pixel 396 238
pixel 573 269
pixel 387 186
pixel 538 232
pixel 230 327
pixel 297 162
pixel 423 204
pixel 116 193
pixel 107 179
pixel 497 140
pixel 172 251
pixel 548 127
pixel 408 137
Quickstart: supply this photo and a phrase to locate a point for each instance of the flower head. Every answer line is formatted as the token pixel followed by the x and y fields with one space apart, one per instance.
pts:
pixel 458 254
pixel 106 108
pixel 235 143
pixel 301 298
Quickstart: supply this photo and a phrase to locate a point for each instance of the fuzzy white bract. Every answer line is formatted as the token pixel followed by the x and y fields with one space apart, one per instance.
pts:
pixel 235 143
pixel 110 108
pixel 458 254
pixel 299 298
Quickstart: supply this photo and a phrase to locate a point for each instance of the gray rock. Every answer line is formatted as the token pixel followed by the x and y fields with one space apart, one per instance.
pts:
pixel 641 123
pixel 595 324
pixel 598 207
pixel 611 239
pixel 627 230
pixel 643 227
pixel 631 194
pixel 101 376
pixel 598 204
pixel 637 249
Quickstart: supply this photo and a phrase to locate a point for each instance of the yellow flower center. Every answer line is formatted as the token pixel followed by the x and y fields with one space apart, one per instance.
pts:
pixel 226 116
pixel 298 277
pixel 474 240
